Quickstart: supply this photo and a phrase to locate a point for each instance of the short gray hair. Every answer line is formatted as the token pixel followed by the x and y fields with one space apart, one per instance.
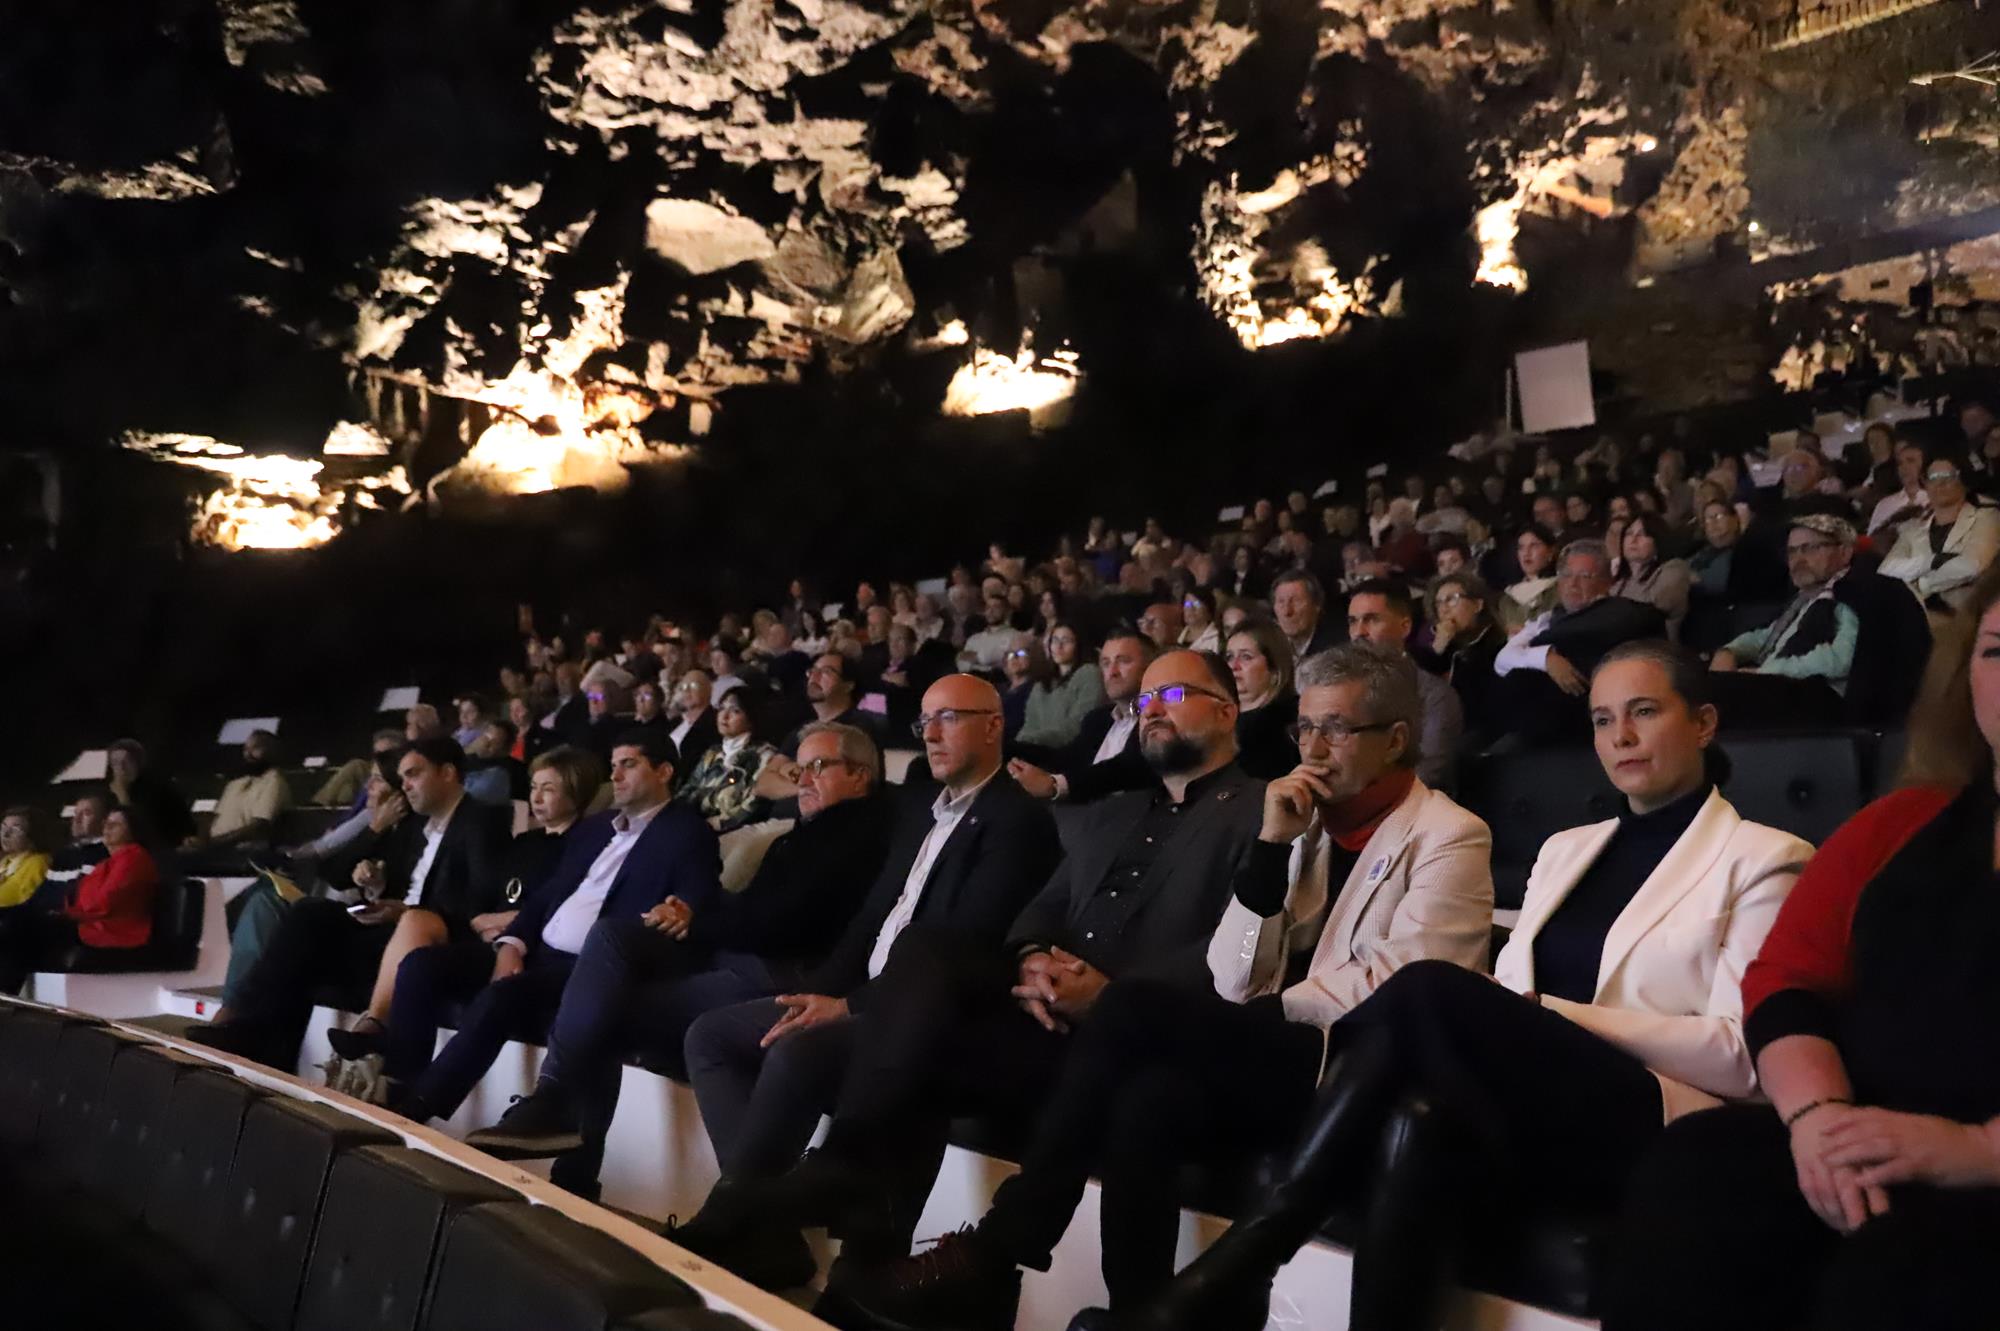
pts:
pixel 1388 680
pixel 1594 548
pixel 855 746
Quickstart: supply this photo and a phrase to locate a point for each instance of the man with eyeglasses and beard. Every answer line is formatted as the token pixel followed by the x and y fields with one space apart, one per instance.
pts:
pixel 959 1026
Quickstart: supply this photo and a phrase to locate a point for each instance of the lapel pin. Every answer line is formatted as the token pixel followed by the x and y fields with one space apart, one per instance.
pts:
pixel 1377 869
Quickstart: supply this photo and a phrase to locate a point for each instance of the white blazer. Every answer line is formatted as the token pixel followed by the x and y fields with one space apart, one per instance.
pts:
pixel 1972 543
pixel 1669 986
pixel 1422 888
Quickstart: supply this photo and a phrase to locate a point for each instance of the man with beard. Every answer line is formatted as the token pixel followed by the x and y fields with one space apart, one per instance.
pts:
pixel 958 1027
pixel 247 811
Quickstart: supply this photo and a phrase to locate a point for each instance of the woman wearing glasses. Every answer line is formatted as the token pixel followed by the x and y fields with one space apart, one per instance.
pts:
pixel 1202 633
pixel 723 785
pixel 1023 669
pixel 1942 558
pixel 1617 1010
pixel 1260 657
pixel 1465 637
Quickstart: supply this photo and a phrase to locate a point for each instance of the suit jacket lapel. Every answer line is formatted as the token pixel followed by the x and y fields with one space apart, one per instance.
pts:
pixel 1678 873
pixel 1365 879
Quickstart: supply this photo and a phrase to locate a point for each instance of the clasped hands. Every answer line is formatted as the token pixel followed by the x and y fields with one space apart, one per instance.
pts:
pixel 1847 1156
pixel 671 917
pixel 1056 987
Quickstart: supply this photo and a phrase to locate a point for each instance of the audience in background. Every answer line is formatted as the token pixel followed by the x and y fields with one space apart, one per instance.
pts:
pixel 1104 756
pixel 164 815
pixel 1941 558
pixel 1298 604
pixel 246 813
pixel 85 849
pixel 1381 614
pixel 1073 688
pixel 24 856
pixel 110 908
pixel 1259 659
pixel 723 785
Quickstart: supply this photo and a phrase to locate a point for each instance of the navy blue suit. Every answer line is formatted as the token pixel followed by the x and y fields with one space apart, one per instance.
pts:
pixel 677 855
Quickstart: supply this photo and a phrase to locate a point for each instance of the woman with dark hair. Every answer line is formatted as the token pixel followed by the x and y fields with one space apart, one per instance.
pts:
pixel 1202 633
pixel 1072 690
pixel 111 907
pixel 1616 1011
pixel 723 785
pixel 1535 593
pixel 1260 657
pixel 1649 578
pixel 1023 669
pixel 1866 1194
pixel 1465 638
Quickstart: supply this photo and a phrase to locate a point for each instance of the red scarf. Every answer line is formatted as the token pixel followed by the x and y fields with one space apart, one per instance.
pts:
pixel 1352 821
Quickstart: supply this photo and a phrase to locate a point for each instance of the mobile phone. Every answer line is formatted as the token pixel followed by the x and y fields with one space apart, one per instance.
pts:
pixel 361 908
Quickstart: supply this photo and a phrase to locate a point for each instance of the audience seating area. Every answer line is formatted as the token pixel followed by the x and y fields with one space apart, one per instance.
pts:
pixel 150 1187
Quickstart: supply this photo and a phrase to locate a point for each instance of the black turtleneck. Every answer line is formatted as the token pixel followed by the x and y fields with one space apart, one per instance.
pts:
pixel 1570 947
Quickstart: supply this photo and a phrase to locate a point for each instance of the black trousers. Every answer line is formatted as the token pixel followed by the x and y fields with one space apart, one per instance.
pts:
pixel 27 935
pixel 1159 1077
pixel 318 945
pixel 1716 1235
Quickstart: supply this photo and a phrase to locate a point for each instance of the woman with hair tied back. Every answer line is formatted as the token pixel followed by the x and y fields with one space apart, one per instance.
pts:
pixel 1866 1195
pixel 1617 1010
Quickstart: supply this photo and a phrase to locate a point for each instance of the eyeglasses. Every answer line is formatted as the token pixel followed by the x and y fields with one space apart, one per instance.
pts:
pixel 1335 730
pixel 1940 475
pixel 817 767
pixel 1173 694
pixel 1446 600
pixel 690 686
pixel 1018 654
pixel 949 716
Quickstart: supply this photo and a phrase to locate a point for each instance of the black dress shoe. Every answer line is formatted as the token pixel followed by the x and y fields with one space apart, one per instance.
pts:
pixel 1093 1319
pixel 356 1044
pixel 959 1284
pixel 535 1126
pixel 768 1256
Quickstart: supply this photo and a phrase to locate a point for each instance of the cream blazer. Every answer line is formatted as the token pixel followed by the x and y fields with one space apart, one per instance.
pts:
pixel 1422 888
pixel 1971 544
pixel 1669 986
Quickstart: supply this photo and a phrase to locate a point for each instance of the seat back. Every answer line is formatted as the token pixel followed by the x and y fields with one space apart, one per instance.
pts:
pixel 68 1135
pixel 509 1266
pixel 1528 797
pixel 197 1145
pixel 373 1257
pixel 1806 784
pixel 28 1042
pixel 273 1200
pixel 682 1319
pixel 177 921
pixel 127 1155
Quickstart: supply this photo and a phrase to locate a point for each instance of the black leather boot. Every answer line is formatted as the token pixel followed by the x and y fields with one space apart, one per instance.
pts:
pixel 1228 1287
pixel 1406 1259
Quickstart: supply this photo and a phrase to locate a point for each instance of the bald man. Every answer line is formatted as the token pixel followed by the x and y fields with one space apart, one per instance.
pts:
pixel 960 1026
pixel 961 865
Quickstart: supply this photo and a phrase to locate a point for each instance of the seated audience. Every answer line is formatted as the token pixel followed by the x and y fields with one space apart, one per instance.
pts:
pixel 471 720
pixel 1023 670
pixel 85 849
pixel 162 809
pixel 640 983
pixel 1104 756
pixel 1535 594
pixel 985 649
pixel 1617 996
pixel 958 1024
pixel 961 867
pixel 347 787
pixel 649 708
pixel 1941 559
pixel 420 971
pixel 442 859
pixel 1061 700
pixel 1545 666
pixel 1165 1074
pixel 1298 603
pixel 725 664
pixel 111 908
pixel 422 722
pixel 1259 658
pixel 694 729
pixel 1381 614
pixel 1649 576
pixel 1866 1194
pixel 492 774
pixel 1202 633
pixel 1162 622
pixel 1465 638
pixel 1911 500
pixel 723 786
pixel 24 856
pixel 246 814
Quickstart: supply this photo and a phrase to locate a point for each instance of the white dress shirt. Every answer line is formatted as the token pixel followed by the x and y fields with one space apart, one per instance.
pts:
pixel 1124 720
pixel 1896 503
pixel 1519 654
pixel 433 838
pixel 566 928
pixel 946 813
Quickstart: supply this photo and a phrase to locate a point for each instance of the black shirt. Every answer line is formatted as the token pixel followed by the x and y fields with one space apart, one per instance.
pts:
pixel 1570 947
pixel 1111 905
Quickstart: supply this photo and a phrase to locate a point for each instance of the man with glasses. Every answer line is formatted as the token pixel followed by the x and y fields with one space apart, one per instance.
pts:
pixel 959 1026
pixel 1162 622
pixel 640 982
pixel 1545 668
pixel 1942 558
pixel 1801 668
pixel 830 691
pixel 1357 870
pixel 960 866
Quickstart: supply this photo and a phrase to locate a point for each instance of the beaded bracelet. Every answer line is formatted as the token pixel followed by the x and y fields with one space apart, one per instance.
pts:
pixel 1811 1105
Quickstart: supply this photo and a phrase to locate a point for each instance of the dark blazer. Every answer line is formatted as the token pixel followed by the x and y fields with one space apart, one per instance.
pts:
pixel 1076 761
pixel 676 856
pixel 471 859
pixel 997 856
pixel 810 883
pixel 1891 650
pixel 1181 900
pixel 701 737
pixel 1584 637
pixel 1263 749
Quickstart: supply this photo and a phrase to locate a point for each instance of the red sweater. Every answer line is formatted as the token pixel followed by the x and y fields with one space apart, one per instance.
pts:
pixel 1804 969
pixel 113 906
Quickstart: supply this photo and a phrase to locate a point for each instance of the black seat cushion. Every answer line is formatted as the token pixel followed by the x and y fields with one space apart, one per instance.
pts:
pixel 175 945
pixel 274 1195
pixel 189 1189
pixel 387 1208
pixel 510 1266
pixel 1528 797
pixel 120 1169
pixel 68 1135
pixel 28 1042
pixel 1807 784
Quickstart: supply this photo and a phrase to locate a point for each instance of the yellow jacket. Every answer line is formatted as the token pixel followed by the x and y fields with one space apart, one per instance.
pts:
pixel 20 875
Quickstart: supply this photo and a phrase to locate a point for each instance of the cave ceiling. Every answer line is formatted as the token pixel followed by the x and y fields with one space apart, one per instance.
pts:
pixel 384 251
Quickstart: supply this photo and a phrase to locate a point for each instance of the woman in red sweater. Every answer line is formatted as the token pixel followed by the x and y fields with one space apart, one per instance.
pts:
pixel 112 907
pixel 1867 1194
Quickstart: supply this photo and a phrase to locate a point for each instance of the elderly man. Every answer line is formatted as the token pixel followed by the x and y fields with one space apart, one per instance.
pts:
pixel 959 867
pixel 1545 668
pixel 1163 621
pixel 961 1026
pixel 1358 870
pixel 1799 669
pixel 1298 603
pixel 641 982
pixel 1381 614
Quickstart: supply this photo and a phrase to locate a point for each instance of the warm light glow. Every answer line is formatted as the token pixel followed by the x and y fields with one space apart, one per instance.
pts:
pixel 1496 226
pixel 991 382
pixel 1648 143
pixel 269 501
pixel 348 440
